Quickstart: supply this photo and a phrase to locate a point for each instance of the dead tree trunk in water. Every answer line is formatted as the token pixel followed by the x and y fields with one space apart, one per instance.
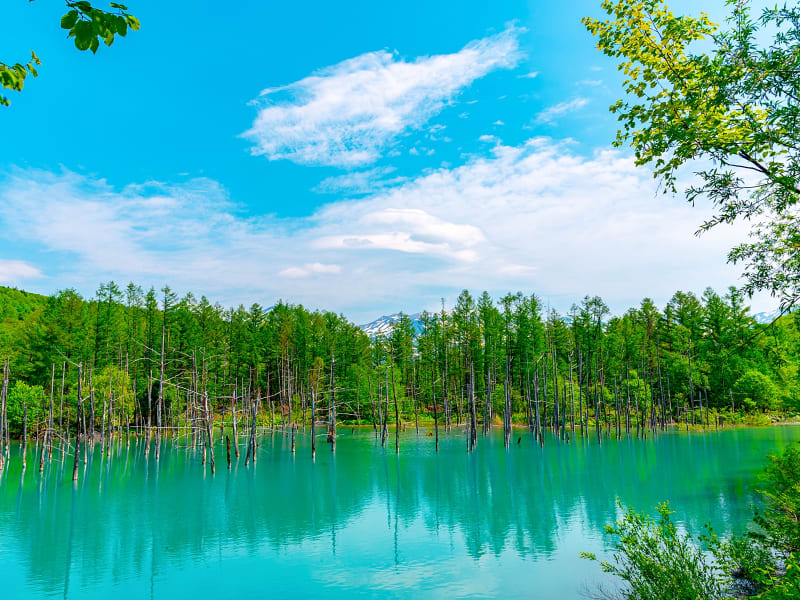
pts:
pixel 160 401
pixel 78 412
pixel 507 408
pixel 414 395
pixel 3 397
pixel 380 415
pixel 358 398
pixel 24 434
pixel 571 399
pixel 372 406
pixel 103 425
pixel 49 434
pixel 91 410
pixel 487 402
pixel 209 433
pixel 149 414
pixel 536 402
pixel 473 438
pixel 396 412
pixel 333 405
pixel 313 422
pixel 61 409
pixel 251 445
pixel 435 414
pixel 234 424
pixel 385 409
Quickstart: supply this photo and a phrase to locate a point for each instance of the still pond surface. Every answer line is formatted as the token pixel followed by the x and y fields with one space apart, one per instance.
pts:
pixel 495 523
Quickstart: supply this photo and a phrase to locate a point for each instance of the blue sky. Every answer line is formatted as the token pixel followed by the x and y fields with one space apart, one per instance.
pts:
pixel 361 157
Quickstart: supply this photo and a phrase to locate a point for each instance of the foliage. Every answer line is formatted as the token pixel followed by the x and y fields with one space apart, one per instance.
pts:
pixel 12 77
pixel 756 389
pixel 731 113
pixel 779 519
pixel 699 358
pixel 657 561
pixel 786 587
pixel 750 562
pixel 88 25
pixel 21 395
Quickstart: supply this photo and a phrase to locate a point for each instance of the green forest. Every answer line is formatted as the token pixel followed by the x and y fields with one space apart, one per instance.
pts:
pixel 154 358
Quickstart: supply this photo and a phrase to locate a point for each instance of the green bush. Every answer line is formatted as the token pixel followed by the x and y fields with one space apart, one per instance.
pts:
pixel 20 394
pixel 758 390
pixel 657 561
pixel 780 488
pixel 788 586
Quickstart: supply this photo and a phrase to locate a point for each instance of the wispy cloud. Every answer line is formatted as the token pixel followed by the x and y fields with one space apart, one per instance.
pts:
pixel 534 217
pixel 346 114
pixel 531 75
pixel 359 182
pixel 550 114
pixel 14 272
pixel 310 269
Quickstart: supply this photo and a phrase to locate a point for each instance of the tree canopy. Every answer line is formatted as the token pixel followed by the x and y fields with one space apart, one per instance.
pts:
pixel 724 103
pixel 696 358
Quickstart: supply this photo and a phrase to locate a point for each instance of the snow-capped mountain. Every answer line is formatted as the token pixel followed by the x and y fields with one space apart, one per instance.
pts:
pixel 383 325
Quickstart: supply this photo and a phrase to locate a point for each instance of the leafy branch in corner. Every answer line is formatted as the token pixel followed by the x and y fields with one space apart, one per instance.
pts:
pixel 88 25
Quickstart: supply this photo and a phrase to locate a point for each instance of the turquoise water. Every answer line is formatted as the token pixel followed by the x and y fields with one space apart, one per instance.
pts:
pixel 365 522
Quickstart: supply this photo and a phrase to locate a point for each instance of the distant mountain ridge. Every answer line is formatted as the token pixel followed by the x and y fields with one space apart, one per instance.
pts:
pixel 383 325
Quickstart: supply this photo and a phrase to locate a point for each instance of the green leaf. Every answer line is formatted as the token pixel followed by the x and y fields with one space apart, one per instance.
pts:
pixel 133 22
pixel 68 20
pixel 121 26
pixel 84 30
pixel 119 6
pixel 82 43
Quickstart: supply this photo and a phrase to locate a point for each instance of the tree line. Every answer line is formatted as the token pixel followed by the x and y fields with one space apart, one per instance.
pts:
pixel 154 363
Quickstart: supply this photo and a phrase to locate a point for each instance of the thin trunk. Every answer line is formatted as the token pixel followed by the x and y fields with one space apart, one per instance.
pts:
pixel 396 413
pixel 333 404
pixel 78 425
pixel 24 434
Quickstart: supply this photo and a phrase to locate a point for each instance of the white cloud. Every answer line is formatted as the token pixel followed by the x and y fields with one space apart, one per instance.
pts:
pixel 499 123
pixel 548 115
pixel 489 139
pixel 346 114
pixel 310 269
pixel 590 82
pixel 534 217
pixel 14 272
pixel 359 182
pixel 531 75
